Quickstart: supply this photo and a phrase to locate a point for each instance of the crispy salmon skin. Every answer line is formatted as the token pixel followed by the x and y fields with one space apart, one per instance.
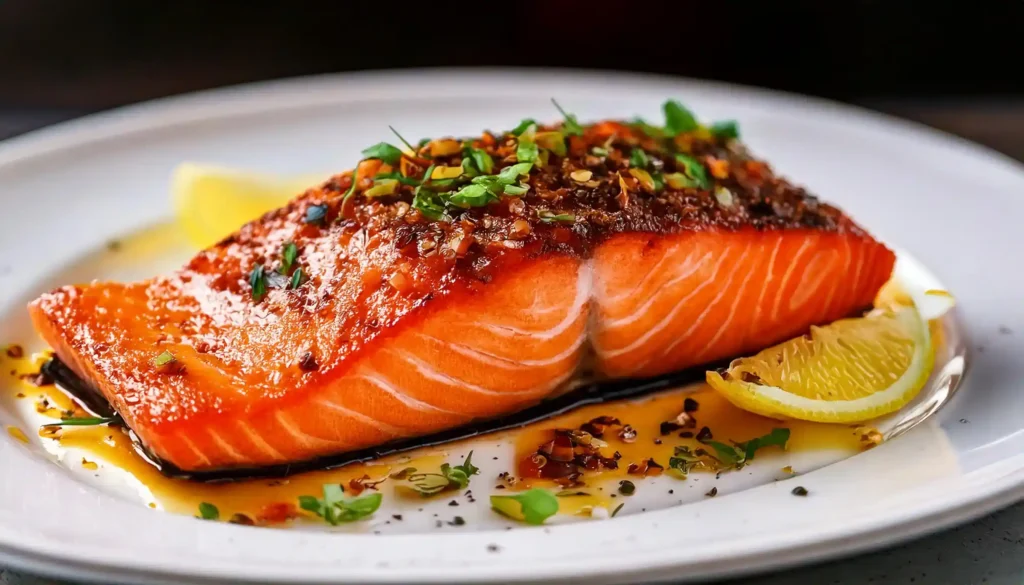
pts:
pixel 464 280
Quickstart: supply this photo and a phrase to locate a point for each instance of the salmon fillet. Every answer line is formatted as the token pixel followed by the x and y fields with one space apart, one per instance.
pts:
pixel 423 304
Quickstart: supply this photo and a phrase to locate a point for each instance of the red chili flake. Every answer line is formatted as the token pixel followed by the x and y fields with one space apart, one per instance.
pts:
pixel 669 426
pixel 277 512
pixel 15 352
pixel 308 363
pixel 38 379
pixel 357 485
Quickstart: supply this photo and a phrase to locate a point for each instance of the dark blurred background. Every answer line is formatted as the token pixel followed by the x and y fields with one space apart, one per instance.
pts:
pixel 956 65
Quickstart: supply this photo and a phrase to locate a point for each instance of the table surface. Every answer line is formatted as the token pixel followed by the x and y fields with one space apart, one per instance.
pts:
pixel 989 550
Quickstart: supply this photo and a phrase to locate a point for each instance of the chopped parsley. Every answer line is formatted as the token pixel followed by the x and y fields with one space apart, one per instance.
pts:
pixel 527 151
pixel 478 160
pixel 451 477
pixel 523 125
pixel 335 509
pixel 638 159
pixel 694 170
pixel 288 255
pixel 738 454
pixel 258 282
pixel 532 506
pixel 571 125
pixel 208 511
pixel 385 152
pixel 683 460
pixel 678 119
pixel 317 213
pixel 725 129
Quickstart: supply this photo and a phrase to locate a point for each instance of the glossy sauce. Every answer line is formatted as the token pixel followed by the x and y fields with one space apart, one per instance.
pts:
pixel 273 502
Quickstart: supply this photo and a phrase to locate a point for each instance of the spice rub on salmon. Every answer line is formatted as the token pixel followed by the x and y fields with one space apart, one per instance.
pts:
pixel 464 279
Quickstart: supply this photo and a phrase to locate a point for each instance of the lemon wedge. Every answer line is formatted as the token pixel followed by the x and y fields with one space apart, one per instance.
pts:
pixel 211 202
pixel 849 371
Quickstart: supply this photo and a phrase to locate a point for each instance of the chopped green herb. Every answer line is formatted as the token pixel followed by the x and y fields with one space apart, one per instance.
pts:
pixel 385 152
pixel 533 506
pixel 523 125
pixel 298 278
pixel 452 477
pixel 552 141
pixel 599 151
pixel 335 509
pixel 258 282
pixel 404 141
pixel 317 213
pixel 551 217
pixel 683 460
pixel 473 195
pixel 511 174
pixel 647 128
pixel 163 359
pixel 616 510
pixel 571 125
pixel 739 454
pixel 459 474
pixel 430 205
pixel 208 511
pixel 725 129
pixel 570 493
pixel 638 158
pixel 516 190
pixel 527 151
pixel 694 170
pixel 481 161
pixel 678 119
pixel 397 176
pixel 288 255
pixel 86 421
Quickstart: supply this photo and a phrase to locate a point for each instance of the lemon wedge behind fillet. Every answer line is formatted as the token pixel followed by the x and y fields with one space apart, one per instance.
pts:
pixel 210 202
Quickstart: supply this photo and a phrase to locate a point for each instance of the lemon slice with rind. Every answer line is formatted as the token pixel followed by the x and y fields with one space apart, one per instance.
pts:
pixel 849 371
pixel 210 202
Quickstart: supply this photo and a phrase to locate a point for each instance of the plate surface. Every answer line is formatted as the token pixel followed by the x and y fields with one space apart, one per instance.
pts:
pixel 948 204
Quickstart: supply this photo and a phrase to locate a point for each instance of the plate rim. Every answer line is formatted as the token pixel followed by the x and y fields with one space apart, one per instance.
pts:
pixel 299 94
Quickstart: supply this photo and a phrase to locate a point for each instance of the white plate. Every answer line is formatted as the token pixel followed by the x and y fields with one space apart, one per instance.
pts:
pixel 67 190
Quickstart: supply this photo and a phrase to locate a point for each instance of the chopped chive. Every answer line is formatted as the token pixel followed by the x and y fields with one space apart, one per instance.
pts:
pixel 571 124
pixel 411 148
pixel 86 421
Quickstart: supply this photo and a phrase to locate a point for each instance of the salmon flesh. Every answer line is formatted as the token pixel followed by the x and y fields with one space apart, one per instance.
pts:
pixel 435 288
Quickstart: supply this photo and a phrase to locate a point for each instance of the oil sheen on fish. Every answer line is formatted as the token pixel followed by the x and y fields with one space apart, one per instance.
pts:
pixel 399 306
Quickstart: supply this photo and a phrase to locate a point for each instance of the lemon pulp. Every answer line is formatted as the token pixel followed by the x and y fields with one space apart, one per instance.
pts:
pixel 851 370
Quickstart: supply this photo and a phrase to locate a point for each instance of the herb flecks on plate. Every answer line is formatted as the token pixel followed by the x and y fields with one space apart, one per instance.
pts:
pixel 450 477
pixel 533 506
pixel 336 509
